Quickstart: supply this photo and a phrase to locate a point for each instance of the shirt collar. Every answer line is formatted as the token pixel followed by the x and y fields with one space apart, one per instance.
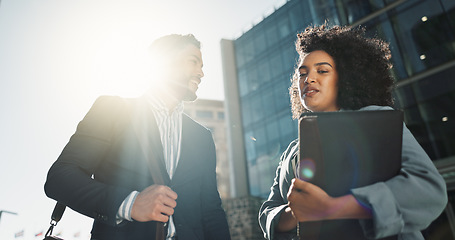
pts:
pixel 160 106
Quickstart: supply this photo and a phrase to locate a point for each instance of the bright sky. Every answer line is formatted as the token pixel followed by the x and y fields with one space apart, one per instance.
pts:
pixel 57 56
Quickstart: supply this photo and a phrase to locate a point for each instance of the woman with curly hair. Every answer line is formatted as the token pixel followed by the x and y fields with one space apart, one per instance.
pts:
pixel 341 69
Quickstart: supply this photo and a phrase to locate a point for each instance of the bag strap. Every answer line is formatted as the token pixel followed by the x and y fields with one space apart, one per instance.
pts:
pixel 57 214
pixel 143 123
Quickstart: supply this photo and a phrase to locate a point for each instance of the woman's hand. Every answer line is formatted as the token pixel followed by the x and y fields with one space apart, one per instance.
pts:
pixel 309 202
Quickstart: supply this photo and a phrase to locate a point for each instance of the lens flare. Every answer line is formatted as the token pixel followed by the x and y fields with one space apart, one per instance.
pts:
pixel 307 169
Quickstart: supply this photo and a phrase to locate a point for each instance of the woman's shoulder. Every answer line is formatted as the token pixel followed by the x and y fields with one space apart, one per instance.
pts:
pixel 291 149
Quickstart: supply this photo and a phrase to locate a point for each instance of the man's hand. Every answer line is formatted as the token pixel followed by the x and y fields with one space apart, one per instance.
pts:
pixel 155 203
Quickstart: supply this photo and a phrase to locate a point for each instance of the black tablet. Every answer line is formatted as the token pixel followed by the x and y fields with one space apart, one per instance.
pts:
pixel 348 149
pixel 339 151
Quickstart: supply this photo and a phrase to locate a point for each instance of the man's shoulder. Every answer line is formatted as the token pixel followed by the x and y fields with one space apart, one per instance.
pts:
pixel 112 107
pixel 116 103
pixel 114 100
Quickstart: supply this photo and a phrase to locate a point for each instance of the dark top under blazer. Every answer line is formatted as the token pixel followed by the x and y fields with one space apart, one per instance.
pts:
pixel 103 162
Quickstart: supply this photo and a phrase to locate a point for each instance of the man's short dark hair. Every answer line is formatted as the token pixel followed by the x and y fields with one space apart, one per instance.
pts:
pixel 363 66
pixel 170 44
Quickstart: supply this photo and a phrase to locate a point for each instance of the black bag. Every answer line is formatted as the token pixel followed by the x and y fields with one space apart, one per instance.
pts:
pixel 52 238
pixel 55 217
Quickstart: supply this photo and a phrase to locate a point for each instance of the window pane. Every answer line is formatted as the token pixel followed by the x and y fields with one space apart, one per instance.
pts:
pixel 221 115
pixel 263 71
pixel 423 34
pixel 259 42
pixel 276 65
pixel 243 83
pixel 247 117
pixel 272 34
pixel 272 130
pixel 204 114
pixel 283 27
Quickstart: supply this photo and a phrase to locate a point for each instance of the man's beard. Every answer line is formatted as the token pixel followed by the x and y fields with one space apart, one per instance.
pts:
pixel 189 96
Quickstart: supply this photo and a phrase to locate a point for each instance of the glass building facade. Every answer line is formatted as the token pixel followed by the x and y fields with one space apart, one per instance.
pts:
pixel 421 34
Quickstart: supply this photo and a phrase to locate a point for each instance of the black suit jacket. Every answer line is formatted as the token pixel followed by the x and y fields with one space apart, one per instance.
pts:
pixel 104 161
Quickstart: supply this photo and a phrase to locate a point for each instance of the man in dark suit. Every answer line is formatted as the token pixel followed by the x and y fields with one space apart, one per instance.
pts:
pixel 108 170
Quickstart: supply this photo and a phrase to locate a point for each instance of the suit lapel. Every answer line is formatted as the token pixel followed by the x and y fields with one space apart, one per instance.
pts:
pixel 147 133
pixel 185 139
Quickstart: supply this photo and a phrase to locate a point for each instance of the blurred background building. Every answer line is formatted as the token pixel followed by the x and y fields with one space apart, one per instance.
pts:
pixel 257 67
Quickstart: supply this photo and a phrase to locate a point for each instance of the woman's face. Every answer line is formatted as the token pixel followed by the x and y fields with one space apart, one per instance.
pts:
pixel 318 82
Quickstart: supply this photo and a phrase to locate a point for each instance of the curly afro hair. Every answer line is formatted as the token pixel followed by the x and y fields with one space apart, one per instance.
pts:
pixel 363 66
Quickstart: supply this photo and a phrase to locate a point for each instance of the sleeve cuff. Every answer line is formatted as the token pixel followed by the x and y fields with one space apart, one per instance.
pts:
pixel 387 219
pixel 273 219
pixel 124 211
